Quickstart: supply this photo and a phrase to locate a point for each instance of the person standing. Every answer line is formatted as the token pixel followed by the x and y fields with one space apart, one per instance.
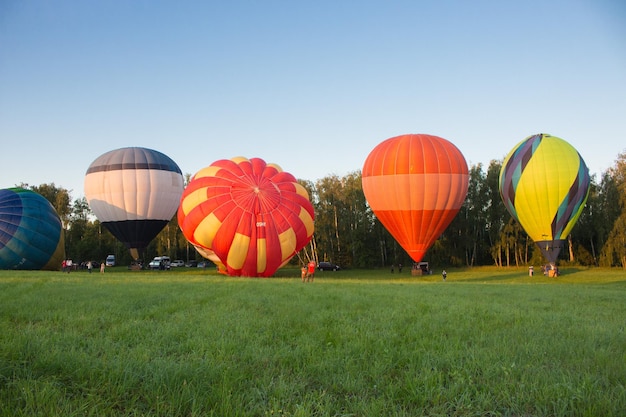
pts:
pixel 303 273
pixel 102 267
pixel 311 271
pixel 89 266
pixel 444 274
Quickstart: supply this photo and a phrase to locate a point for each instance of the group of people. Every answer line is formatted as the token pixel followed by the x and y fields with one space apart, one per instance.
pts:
pixel 67 265
pixel 308 272
pixel 550 270
pixel 90 267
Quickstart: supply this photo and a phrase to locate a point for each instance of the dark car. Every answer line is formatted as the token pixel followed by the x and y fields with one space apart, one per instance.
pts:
pixel 328 266
pixel 205 264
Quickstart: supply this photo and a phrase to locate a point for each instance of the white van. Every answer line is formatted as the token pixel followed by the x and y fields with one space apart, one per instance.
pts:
pixel 160 262
pixel 110 260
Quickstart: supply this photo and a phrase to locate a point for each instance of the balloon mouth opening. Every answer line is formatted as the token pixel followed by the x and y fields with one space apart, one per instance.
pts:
pixel 550 249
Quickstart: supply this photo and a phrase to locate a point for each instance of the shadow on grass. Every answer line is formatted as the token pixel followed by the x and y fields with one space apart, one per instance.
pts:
pixel 567 275
pixel 496 276
pixel 517 275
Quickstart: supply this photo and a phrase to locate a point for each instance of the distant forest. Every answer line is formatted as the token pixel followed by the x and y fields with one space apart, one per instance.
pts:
pixel 348 233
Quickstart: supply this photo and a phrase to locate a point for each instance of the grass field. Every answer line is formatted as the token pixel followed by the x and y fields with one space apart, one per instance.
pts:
pixel 488 342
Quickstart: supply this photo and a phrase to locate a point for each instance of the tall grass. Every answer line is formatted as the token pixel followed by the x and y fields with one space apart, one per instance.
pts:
pixel 489 342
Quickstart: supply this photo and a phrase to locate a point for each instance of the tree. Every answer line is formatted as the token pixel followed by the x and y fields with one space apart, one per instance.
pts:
pixel 357 243
pixel 588 229
pixel 496 214
pixel 474 211
pixel 613 204
pixel 59 198
pixel 514 242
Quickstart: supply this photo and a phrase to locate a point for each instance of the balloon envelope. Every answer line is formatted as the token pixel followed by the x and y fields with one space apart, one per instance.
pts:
pixel 31 235
pixel 544 184
pixel 211 256
pixel 253 216
pixel 134 192
pixel 415 184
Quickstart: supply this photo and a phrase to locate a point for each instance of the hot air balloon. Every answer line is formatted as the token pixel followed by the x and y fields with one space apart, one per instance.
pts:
pixel 134 192
pixel 252 215
pixel 415 184
pixel 31 235
pixel 211 256
pixel 544 184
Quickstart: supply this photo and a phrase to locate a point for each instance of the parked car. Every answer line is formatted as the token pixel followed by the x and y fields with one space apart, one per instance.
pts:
pixel 192 264
pixel 177 263
pixel 110 261
pixel 160 262
pixel 328 266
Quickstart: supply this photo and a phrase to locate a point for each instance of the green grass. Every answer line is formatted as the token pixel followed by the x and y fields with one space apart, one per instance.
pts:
pixel 488 342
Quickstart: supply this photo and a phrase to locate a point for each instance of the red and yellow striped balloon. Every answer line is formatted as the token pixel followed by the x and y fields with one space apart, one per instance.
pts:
pixel 252 216
pixel 415 184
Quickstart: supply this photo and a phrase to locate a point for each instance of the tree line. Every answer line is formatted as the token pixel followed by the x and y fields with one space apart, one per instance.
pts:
pixel 348 233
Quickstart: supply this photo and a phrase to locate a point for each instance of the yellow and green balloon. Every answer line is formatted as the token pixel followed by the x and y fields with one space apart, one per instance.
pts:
pixel 544 184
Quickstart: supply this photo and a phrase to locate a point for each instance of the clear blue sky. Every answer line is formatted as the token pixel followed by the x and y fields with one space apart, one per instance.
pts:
pixel 313 86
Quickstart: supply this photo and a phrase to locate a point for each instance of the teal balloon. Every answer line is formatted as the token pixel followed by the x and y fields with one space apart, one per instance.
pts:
pixel 31 234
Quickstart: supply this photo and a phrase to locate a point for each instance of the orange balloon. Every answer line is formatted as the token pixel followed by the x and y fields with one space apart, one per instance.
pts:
pixel 415 184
